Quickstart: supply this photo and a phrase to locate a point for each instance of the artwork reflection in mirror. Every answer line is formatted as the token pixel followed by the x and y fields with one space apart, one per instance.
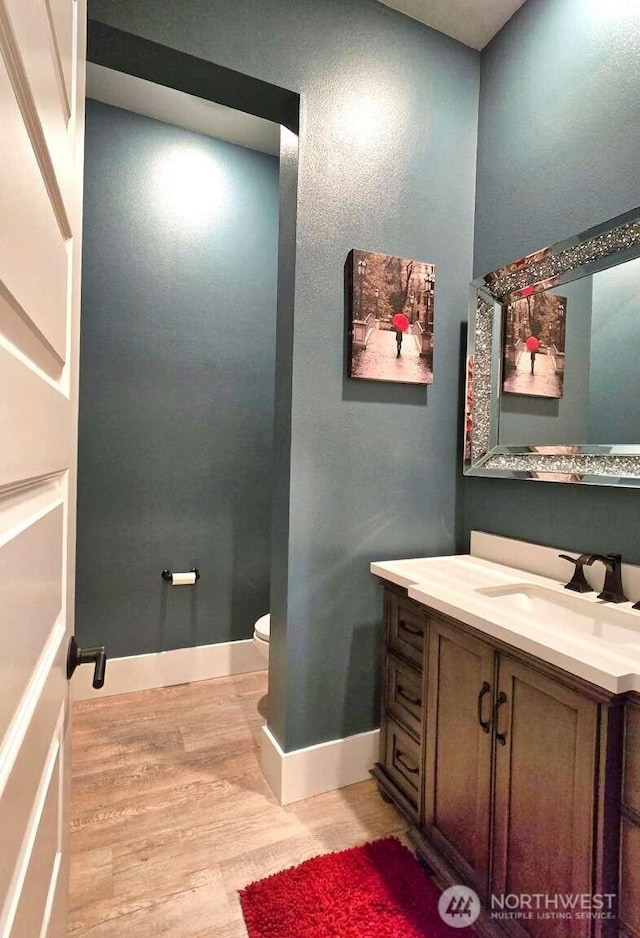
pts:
pixel 534 352
pixel 598 378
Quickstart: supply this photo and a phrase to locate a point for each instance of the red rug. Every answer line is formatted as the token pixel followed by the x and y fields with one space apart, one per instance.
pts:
pixel 375 891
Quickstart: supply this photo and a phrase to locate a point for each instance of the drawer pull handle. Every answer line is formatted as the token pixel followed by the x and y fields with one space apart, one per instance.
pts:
pixel 398 755
pixel 501 699
pixel 485 724
pixel 403 625
pixel 401 692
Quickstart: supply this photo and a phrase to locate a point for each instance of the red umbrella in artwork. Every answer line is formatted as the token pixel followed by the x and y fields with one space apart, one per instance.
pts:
pixel 532 344
pixel 400 322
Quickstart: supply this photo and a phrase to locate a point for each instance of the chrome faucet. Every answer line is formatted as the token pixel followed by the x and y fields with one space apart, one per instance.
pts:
pixel 612 590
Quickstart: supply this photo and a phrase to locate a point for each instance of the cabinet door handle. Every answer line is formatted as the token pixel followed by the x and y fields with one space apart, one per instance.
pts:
pixel 403 694
pixel 403 625
pixel 398 757
pixel 485 724
pixel 501 699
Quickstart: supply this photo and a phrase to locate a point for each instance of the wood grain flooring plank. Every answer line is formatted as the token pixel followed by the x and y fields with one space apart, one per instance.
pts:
pixel 191 912
pixel 171 814
pixel 92 876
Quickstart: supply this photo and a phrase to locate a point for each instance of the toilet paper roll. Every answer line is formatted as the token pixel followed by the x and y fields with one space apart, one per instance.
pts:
pixel 183 579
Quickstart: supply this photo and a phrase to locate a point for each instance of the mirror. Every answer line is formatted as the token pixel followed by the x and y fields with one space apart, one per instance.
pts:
pixel 553 362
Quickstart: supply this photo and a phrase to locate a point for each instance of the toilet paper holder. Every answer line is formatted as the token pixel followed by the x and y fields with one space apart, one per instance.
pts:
pixel 168 575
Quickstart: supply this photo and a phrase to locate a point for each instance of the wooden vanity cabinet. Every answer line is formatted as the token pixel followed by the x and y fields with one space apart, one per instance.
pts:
pixel 518 785
pixel 400 769
pixel 630 824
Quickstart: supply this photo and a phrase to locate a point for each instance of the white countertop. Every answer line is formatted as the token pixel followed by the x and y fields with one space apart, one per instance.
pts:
pixel 450 585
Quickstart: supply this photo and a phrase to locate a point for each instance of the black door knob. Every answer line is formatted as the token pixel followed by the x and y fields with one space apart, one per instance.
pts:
pixel 95 655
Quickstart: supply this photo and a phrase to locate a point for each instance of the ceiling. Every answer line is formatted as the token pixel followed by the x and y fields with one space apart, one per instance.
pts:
pixel 473 22
pixel 181 110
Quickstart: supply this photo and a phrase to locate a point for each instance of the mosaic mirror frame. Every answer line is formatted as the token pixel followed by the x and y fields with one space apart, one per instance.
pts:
pixel 599 248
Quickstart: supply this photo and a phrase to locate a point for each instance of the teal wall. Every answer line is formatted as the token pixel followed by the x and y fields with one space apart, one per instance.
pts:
pixel 558 147
pixel 386 163
pixel 177 384
pixel 614 399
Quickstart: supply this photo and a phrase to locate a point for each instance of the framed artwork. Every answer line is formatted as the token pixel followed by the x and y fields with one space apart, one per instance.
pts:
pixel 391 318
pixel 533 350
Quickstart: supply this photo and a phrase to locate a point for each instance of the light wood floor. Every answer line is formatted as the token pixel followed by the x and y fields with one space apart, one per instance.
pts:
pixel 171 814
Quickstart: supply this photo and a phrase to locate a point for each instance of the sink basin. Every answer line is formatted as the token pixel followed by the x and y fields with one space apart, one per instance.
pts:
pixel 566 613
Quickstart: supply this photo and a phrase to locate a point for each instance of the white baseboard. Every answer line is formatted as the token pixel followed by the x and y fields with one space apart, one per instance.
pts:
pixel 181 666
pixel 302 773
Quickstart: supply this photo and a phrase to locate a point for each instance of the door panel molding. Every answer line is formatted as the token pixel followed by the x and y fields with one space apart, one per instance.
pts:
pixel 61 13
pixel 31 586
pixel 45 808
pixel 55 34
pixel 32 29
pixel 38 448
pixel 20 788
pixel 25 716
pixel 27 498
pixel 35 261
pixel 19 79
pixel 23 336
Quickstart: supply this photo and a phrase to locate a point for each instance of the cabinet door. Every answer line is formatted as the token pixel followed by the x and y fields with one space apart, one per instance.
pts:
pixel 458 749
pixel 630 834
pixel 630 878
pixel 631 785
pixel 545 763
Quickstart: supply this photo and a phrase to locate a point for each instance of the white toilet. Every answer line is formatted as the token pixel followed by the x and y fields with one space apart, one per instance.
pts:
pixel 261 636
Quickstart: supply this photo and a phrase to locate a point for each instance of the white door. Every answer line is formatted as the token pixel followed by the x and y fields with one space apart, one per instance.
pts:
pixel 42 53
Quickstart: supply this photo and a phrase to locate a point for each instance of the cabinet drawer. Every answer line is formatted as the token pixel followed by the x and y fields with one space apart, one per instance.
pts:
pixel 407 629
pixel 403 694
pixel 402 761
